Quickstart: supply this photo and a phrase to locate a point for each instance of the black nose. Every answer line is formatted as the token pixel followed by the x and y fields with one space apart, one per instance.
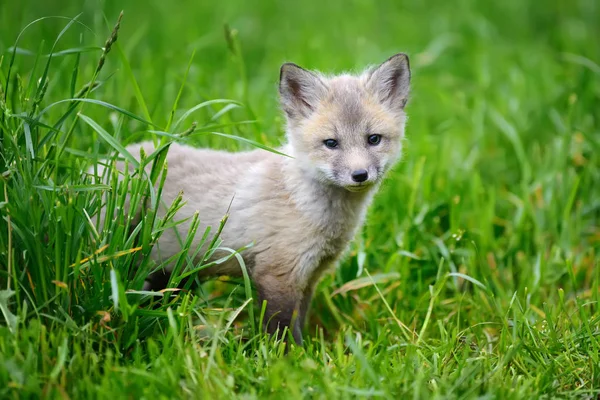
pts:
pixel 360 175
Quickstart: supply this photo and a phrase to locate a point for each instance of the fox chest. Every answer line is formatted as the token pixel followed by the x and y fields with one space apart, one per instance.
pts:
pixel 305 239
pixel 310 246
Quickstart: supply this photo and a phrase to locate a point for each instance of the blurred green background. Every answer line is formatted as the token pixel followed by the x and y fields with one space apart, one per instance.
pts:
pixel 512 51
pixel 499 89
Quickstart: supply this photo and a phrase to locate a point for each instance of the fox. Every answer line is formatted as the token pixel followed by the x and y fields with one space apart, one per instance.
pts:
pixel 301 210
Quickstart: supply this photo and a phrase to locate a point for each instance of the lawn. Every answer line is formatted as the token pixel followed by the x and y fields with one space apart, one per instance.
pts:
pixel 476 275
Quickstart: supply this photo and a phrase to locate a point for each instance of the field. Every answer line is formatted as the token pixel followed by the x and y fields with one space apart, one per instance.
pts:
pixel 476 275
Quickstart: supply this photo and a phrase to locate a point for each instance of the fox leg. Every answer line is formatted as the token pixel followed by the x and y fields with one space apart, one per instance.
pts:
pixel 286 304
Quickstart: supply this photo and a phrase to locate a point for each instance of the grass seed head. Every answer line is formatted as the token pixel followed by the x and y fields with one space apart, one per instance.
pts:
pixel 109 42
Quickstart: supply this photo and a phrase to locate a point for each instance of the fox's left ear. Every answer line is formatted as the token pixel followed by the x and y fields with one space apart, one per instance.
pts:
pixel 391 81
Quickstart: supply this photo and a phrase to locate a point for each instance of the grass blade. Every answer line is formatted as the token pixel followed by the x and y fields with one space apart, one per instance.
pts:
pixel 110 140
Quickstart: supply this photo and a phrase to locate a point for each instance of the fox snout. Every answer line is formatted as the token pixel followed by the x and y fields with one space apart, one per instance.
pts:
pixel 360 175
pixel 358 167
pixel 358 179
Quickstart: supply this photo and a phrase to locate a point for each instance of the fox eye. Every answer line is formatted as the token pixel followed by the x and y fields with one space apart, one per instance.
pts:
pixel 374 140
pixel 330 143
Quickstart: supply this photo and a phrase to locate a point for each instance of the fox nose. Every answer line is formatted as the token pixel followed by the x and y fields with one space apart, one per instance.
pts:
pixel 360 175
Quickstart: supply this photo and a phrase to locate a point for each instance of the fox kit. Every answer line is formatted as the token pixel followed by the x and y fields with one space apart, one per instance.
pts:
pixel 300 212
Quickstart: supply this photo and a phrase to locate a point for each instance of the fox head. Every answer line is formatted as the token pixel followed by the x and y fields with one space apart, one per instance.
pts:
pixel 346 130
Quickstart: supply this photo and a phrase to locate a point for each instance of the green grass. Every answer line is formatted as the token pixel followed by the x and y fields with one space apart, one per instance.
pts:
pixel 484 243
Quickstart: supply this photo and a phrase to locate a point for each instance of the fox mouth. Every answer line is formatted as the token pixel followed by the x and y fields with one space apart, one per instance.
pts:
pixel 361 187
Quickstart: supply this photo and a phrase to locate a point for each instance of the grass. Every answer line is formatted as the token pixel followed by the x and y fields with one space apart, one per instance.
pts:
pixel 476 275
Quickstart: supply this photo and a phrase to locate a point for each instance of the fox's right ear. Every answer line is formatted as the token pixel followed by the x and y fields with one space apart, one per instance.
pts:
pixel 300 90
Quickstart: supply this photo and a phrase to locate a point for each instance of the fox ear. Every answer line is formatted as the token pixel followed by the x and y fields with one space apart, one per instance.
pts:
pixel 300 90
pixel 390 82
